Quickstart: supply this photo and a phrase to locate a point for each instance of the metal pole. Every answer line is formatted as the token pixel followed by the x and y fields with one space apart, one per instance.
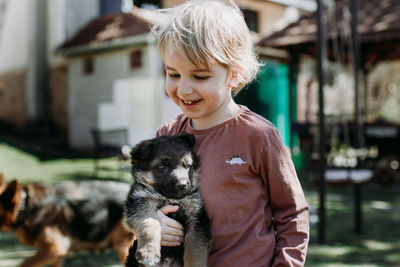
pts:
pixel 356 67
pixel 292 72
pixel 321 56
pixel 357 209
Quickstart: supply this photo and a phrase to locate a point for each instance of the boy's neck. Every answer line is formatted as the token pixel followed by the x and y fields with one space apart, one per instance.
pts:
pixel 205 123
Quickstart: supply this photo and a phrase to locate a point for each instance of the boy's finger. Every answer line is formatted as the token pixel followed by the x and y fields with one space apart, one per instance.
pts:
pixel 172 238
pixel 173 232
pixel 168 222
pixel 168 209
pixel 170 244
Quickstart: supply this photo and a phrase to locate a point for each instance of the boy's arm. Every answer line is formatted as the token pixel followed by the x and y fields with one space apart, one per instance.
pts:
pixel 289 206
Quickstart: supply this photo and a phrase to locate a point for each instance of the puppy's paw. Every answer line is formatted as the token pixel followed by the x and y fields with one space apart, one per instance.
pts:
pixel 148 256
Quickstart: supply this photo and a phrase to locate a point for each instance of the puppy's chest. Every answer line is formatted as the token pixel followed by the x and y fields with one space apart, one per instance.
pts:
pixel 188 210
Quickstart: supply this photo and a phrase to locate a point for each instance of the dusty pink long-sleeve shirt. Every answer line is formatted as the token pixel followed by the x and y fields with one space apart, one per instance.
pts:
pixel 258 212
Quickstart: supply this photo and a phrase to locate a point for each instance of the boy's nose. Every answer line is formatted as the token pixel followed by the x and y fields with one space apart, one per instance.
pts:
pixel 185 88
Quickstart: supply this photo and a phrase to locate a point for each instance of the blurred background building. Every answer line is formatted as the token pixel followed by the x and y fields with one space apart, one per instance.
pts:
pixel 68 66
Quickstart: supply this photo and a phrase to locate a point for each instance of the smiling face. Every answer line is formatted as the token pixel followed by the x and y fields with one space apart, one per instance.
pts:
pixel 203 94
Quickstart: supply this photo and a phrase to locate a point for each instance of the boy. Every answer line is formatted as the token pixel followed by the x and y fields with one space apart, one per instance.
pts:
pixel 258 212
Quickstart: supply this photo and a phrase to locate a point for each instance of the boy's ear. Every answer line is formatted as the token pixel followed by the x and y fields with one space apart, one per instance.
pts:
pixel 235 76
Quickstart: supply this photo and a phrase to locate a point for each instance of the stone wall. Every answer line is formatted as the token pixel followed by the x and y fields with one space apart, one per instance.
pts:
pixel 12 98
pixel 58 95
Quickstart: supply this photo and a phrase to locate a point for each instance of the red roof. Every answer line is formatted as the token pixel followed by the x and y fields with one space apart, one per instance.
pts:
pixel 379 20
pixel 110 27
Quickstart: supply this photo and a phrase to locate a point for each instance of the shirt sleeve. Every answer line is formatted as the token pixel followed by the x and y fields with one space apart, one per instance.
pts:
pixel 290 210
pixel 161 131
pixel 171 128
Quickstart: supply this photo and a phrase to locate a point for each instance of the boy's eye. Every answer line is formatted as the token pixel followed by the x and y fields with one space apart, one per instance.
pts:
pixel 173 76
pixel 201 77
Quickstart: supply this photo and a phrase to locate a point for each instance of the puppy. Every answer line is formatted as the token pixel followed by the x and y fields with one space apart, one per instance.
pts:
pixel 66 217
pixel 166 171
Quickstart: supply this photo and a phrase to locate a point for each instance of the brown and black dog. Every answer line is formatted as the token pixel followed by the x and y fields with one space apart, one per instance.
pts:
pixel 65 217
pixel 165 170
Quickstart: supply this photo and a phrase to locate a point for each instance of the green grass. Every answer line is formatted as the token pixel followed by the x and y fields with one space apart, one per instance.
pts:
pixel 378 245
pixel 31 162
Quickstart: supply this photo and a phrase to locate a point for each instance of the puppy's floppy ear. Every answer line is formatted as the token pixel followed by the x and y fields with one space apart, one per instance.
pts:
pixel 189 139
pixel 3 183
pixel 9 194
pixel 141 151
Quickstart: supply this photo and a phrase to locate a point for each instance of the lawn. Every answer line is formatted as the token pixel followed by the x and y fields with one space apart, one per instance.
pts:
pixel 378 245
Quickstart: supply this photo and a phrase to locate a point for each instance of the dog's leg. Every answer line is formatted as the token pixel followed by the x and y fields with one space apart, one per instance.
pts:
pixel 42 258
pixel 148 234
pixel 121 239
pixel 58 262
pixel 141 218
pixel 52 247
pixel 197 240
pixel 196 250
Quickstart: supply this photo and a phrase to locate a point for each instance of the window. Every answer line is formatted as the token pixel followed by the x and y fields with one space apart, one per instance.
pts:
pixel 136 59
pixel 251 18
pixel 88 66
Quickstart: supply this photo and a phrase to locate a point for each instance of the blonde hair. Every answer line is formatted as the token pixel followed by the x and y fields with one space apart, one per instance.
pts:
pixel 207 32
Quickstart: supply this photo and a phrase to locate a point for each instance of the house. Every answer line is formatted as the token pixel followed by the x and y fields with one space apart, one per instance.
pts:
pixel 33 87
pixel 379 31
pixel 378 111
pixel 99 68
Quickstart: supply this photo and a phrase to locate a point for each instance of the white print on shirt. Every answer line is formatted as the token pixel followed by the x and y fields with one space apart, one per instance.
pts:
pixel 236 161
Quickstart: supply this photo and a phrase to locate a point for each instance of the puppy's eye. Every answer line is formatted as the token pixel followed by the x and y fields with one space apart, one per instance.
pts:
pixel 162 167
pixel 186 166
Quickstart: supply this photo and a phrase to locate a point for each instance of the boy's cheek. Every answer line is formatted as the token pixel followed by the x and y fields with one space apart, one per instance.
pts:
pixel 169 83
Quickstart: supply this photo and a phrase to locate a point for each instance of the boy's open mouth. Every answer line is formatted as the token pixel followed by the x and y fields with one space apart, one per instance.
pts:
pixel 190 102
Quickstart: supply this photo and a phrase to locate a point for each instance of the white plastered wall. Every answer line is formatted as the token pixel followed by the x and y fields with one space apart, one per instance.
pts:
pixel 116 96
pixel 14 39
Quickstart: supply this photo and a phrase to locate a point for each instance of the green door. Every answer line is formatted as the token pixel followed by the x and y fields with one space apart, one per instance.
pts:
pixel 268 96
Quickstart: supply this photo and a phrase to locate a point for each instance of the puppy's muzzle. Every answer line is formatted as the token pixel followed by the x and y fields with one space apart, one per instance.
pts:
pixel 182 185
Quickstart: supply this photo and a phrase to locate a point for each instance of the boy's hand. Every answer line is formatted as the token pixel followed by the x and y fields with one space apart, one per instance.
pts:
pixel 172 233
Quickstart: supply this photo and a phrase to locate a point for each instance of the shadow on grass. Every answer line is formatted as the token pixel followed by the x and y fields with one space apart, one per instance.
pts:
pixel 77 176
pixel 107 258
pixel 43 148
pixel 353 257
pixel 12 253
pixel 9 242
pixel 378 245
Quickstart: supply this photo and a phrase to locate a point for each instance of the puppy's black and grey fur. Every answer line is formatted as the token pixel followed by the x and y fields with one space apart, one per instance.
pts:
pixel 166 171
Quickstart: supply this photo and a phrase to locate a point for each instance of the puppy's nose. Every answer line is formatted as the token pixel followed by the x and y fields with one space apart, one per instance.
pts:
pixel 181 185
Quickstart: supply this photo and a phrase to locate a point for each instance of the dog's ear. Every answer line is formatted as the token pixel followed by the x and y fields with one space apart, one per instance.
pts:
pixel 3 183
pixel 9 194
pixel 141 151
pixel 189 139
